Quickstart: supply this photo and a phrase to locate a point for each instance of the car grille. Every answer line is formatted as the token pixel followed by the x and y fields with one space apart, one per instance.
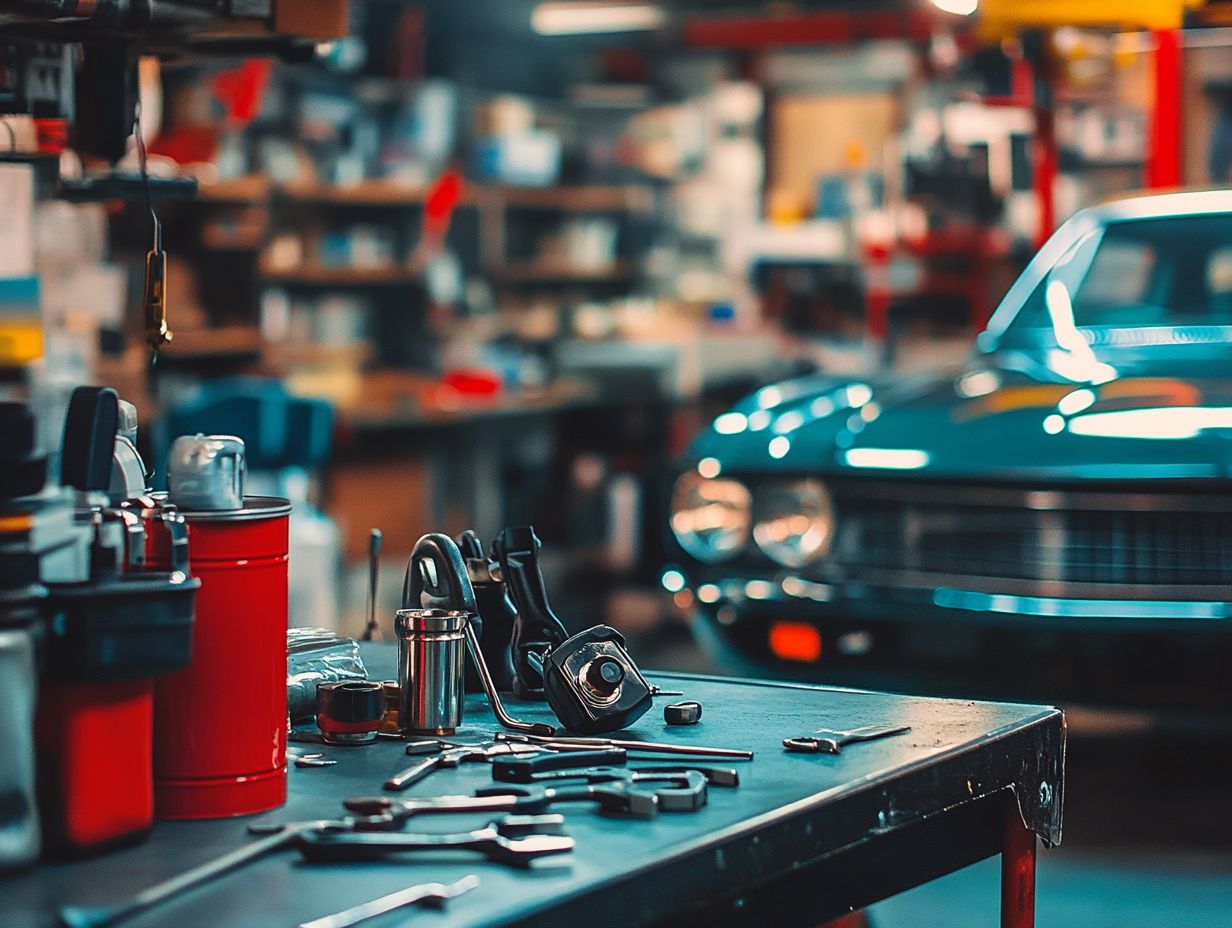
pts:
pixel 1038 536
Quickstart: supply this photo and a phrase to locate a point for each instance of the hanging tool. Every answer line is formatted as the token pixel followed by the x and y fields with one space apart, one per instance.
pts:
pixel 515 841
pixel 434 895
pixel 529 770
pixel 832 741
pixel 372 631
pixel 683 713
pixel 154 298
pixel 562 743
pixel 450 758
pixel 436 578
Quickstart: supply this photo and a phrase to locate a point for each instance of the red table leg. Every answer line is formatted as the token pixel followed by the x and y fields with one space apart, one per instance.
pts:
pixel 1017 870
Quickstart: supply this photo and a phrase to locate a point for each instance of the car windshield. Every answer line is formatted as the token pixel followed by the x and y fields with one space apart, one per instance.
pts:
pixel 1136 282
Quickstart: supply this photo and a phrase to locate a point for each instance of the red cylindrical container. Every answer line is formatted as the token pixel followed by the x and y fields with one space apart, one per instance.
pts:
pixel 220 726
pixel 94 748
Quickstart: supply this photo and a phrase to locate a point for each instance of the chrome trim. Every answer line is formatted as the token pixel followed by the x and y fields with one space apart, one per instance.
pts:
pixel 974 601
pixel 926 582
pixel 1034 500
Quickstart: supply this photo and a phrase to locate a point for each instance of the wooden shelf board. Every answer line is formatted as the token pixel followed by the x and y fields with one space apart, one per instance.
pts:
pixel 542 272
pixel 251 188
pixel 317 275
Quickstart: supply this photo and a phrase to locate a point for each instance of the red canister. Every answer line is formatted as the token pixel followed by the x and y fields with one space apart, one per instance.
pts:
pixel 220 726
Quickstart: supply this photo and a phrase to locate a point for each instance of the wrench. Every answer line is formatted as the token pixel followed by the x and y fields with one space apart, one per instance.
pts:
pixel 677 791
pixel 427 894
pixel 525 770
pixel 831 741
pixel 446 758
pixel 616 798
pixel 499 842
pixel 283 836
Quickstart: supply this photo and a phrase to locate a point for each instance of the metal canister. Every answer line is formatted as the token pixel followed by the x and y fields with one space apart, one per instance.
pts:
pixel 431 669
pixel 220 726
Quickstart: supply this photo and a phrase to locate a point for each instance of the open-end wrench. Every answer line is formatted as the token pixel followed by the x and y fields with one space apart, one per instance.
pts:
pixel 615 799
pixel 516 842
pixel 282 836
pixel 678 791
pixel 425 894
pixel 831 741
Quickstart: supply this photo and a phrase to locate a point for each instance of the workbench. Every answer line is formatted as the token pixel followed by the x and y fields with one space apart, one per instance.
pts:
pixel 805 837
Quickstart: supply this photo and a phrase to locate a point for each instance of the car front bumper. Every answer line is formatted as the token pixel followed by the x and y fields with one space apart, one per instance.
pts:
pixel 961 639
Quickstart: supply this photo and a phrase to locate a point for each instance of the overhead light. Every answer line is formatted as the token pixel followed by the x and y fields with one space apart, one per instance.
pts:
pixel 581 18
pixel 957 7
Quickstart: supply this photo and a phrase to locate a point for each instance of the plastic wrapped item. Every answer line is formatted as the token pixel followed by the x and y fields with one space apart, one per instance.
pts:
pixel 317 655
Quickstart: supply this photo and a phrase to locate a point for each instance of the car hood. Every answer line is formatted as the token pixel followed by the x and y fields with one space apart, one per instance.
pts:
pixel 983 423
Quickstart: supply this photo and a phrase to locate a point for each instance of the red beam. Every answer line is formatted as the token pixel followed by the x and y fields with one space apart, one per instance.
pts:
pixel 754 32
pixel 1163 163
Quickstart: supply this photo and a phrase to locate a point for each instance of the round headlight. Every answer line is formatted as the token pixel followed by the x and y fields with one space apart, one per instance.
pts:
pixel 710 517
pixel 794 522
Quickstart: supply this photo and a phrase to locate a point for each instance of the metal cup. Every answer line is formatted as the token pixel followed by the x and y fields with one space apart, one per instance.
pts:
pixel 431 669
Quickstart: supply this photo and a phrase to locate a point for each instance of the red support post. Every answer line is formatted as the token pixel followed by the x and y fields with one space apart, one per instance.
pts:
pixel 1163 162
pixel 1045 153
pixel 1017 869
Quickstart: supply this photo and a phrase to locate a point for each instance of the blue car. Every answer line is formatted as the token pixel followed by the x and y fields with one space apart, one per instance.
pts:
pixel 1053 520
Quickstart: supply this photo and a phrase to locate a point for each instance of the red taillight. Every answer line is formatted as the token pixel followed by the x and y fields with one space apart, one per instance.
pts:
pixel 795 641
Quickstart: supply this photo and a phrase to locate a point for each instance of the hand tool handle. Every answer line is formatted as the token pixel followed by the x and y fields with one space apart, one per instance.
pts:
pixel 436 893
pixel 77 917
pixel 436 576
pixel 536 627
pixel 372 630
pixel 322 847
pixel 89 438
pixel 412 775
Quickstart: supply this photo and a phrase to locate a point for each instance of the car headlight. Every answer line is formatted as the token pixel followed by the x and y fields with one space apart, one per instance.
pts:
pixel 710 517
pixel 794 522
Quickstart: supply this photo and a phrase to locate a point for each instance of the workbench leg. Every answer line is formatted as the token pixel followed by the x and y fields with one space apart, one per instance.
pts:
pixel 1017 870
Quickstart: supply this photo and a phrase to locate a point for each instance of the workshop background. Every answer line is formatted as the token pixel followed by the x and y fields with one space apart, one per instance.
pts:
pixel 518 254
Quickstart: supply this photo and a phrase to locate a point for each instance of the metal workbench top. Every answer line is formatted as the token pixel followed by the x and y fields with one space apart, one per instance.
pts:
pixel 802 839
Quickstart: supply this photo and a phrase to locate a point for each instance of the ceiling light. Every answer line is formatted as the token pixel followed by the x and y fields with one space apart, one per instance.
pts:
pixel 577 18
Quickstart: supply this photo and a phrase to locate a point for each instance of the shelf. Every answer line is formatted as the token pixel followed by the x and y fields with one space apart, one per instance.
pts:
pixel 315 275
pixel 575 199
pixel 251 188
pixel 224 342
pixel 368 193
pixel 538 272
pixel 386 194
